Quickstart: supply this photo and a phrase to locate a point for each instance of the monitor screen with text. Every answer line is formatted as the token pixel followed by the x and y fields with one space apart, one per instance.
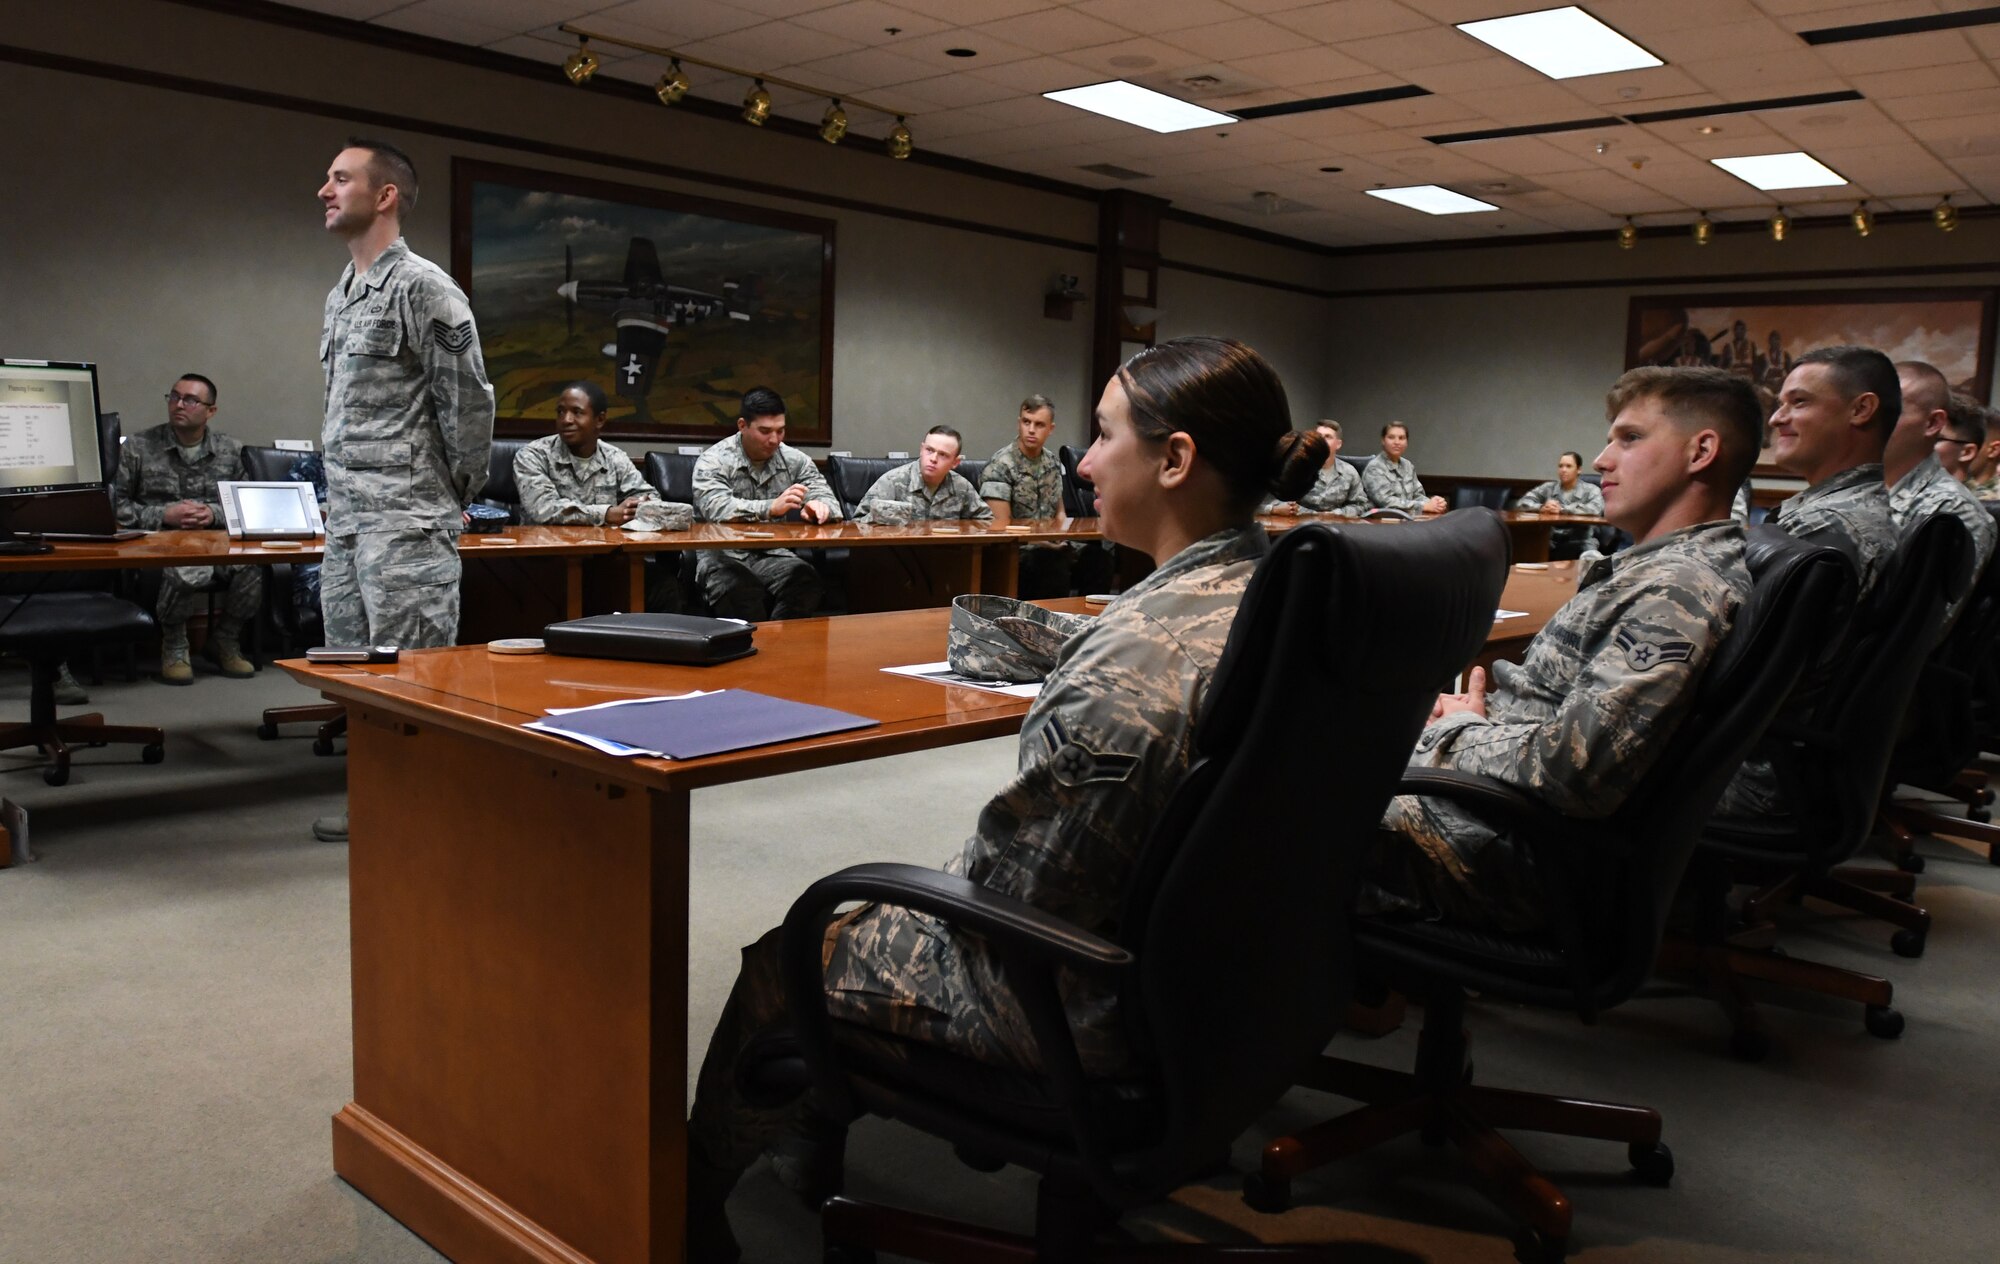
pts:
pixel 48 427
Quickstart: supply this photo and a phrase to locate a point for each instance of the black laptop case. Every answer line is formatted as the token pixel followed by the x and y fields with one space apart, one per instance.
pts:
pixel 652 638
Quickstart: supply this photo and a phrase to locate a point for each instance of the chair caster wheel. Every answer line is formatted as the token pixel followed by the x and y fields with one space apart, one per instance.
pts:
pixel 1982 815
pixel 1749 1044
pixel 847 1253
pixel 1653 1164
pixel 322 746
pixel 1533 1247
pixel 1910 862
pixel 56 775
pixel 153 752
pixel 268 732
pixel 1908 943
pixel 1268 1194
pixel 1884 1022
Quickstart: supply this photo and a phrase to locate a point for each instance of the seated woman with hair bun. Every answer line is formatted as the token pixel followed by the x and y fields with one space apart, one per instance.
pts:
pixel 1193 434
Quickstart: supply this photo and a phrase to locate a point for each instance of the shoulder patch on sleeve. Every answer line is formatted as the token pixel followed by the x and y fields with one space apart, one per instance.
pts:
pixel 456 339
pixel 1646 655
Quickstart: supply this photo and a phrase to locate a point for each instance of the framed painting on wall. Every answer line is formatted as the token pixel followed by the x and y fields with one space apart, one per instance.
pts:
pixel 674 305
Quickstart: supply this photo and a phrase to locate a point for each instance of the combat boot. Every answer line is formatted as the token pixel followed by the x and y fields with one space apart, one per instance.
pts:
pixel 225 650
pixel 68 692
pixel 174 666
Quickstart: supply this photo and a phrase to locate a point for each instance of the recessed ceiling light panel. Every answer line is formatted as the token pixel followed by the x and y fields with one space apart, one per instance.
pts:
pixel 1561 43
pixel 1796 170
pixel 1431 199
pixel 1141 107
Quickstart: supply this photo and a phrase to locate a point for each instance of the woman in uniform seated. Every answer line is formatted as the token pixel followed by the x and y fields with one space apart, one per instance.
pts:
pixel 1391 480
pixel 1193 434
pixel 1566 493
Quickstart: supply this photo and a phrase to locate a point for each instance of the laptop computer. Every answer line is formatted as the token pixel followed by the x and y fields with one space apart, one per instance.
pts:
pixel 80 516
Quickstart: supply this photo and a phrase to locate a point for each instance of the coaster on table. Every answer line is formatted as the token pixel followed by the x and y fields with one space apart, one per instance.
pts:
pixel 516 645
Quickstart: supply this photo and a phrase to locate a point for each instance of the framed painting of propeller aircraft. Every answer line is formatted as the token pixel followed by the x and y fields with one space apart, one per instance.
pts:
pixel 675 305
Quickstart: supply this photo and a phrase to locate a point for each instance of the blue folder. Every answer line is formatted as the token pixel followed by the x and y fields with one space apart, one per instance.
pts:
pixel 688 728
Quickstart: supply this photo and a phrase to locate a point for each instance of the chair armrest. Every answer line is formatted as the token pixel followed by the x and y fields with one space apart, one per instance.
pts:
pixel 1010 924
pixel 1497 802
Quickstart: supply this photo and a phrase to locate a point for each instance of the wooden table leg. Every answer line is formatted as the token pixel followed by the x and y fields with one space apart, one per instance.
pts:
pixel 1003 569
pixel 638 580
pixel 1531 540
pixel 573 587
pixel 519 933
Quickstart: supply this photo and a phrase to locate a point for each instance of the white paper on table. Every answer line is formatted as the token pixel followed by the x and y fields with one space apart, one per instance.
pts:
pixel 595 743
pixel 942 674
pixel 1498 615
pixel 622 702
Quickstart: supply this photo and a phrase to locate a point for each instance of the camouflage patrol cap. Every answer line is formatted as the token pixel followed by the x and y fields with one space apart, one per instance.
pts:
pixel 891 513
pixel 1001 638
pixel 660 515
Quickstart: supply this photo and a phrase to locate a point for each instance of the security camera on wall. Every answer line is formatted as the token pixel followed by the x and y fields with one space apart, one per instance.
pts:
pixel 1059 303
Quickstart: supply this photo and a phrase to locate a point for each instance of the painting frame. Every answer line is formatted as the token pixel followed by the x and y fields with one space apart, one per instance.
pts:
pixel 813 426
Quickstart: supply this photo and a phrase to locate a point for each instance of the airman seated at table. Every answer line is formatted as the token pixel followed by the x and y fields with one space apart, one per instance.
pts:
pixel 1566 493
pixel 1605 684
pixel 1391 480
pixel 1192 434
pixel 1919 484
pixel 1963 436
pixel 167 478
pixel 926 488
pixel 1831 425
pixel 1337 489
pixel 1024 481
pixel 753 477
pixel 572 476
pixel 1982 467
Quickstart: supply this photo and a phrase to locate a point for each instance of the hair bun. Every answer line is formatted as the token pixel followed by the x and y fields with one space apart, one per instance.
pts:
pixel 1295 463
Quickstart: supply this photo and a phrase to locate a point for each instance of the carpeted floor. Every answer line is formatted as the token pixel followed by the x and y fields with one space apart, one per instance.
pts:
pixel 174 1036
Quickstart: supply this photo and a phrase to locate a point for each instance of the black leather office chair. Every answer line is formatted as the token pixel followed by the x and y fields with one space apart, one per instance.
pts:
pixel 672 475
pixel 1832 766
pixel 970 470
pixel 46 627
pixel 1359 463
pixel 1944 733
pixel 500 489
pixel 1230 958
pixel 852 476
pixel 1610 883
pixel 1481 498
pixel 1077 491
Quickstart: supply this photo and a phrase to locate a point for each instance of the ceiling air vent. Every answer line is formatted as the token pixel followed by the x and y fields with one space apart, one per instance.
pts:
pixel 1112 171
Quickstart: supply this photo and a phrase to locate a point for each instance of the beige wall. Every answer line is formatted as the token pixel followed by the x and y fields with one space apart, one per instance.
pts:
pixel 1499 382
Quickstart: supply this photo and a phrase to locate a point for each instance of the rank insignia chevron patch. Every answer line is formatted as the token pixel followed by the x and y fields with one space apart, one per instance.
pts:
pixel 457 339
pixel 1646 655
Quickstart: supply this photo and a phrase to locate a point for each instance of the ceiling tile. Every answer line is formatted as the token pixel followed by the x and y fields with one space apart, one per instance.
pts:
pixel 1530 103
pixel 1639 20
pixel 446 26
pixel 521 15
pixel 869 67
pixel 1523 155
pixel 1422 113
pixel 932 49
pixel 1158 15
pixel 1413 50
pixel 1637 89
pixel 1891 170
pixel 670 22
pixel 1476 74
pixel 1450 11
pixel 1765 74
pixel 1984 101
pixel 1905 52
pixel 1054 31
pixel 781 8
pixel 359 9
pixel 1037 75
pixel 771 44
pixel 1852 14
pixel 1243 37
pixel 1159 58
pixel 869 22
pixel 1352 20
pixel 959 90
pixel 1759 35
pixel 1302 65
pixel 1964 76
pixel 967 12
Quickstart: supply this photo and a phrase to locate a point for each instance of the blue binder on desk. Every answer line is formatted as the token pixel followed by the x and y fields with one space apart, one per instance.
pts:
pixel 705 724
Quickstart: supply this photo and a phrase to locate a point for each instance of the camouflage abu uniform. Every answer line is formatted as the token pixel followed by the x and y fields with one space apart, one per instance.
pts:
pixel 1101 751
pixel 1033 491
pixel 1987 488
pixel 556 485
pixel 1928 490
pixel 1336 490
pixel 1584 498
pixel 954 497
pixel 1850 512
pixel 1393 486
pixel 409 425
pixel 740 583
pixel 1576 723
pixel 155 471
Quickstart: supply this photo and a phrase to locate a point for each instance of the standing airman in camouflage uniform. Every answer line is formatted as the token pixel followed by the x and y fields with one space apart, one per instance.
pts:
pixel 928 487
pixel 1390 478
pixel 1570 494
pixel 1918 484
pixel 1832 422
pixel 409 417
pixel 167 478
pixel 409 420
pixel 753 477
pixel 1024 482
pixel 572 476
pixel 1605 685
pixel 1337 490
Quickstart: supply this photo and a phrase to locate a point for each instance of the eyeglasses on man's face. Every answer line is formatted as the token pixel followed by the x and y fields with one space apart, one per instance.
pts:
pixel 193 401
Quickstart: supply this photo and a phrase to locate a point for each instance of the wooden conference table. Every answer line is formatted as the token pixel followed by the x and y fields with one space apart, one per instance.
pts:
pixel 519 913
pixel 1529 532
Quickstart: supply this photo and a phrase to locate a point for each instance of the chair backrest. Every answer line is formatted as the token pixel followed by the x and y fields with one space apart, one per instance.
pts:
pixel 672 475
pixel 852 476
pixel 500 488
pixel 1237 912
pixel 267 465
pixel 1078 493
pixel 1859 713
pixel 1941 731
pixel 1480 498
pixel 970 470
pixel 110 432
pixel 1359 463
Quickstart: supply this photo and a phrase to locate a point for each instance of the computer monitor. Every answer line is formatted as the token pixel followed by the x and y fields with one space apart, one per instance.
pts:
pixel 48 438
pixel 269 511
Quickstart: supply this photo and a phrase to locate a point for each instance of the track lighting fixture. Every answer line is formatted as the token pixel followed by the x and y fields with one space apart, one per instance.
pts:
pixel 581 64
pixel 757 105
pixel 1704 231
pixel 1628 236
pixel 673 85
pixel 1863 219
pixel 1781 224
pixel 899 141
pixel 833 124
pixel 1945 215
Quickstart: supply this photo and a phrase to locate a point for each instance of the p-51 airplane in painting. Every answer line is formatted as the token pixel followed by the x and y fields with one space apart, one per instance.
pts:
pixel 645 309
